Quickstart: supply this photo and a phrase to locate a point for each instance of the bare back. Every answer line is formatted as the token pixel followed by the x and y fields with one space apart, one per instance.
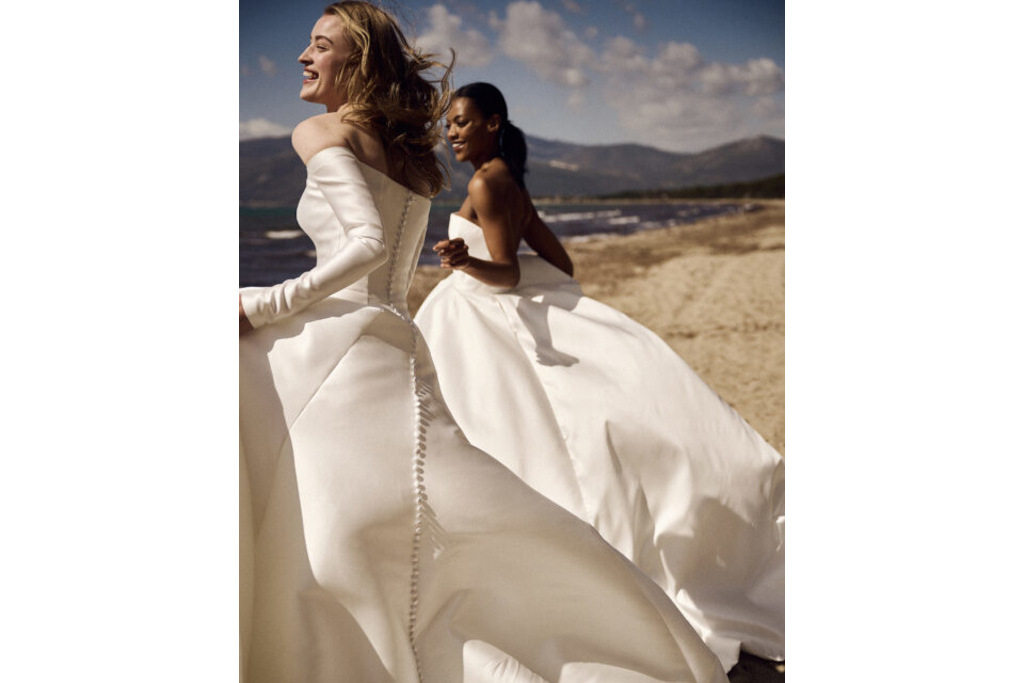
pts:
pixel 493 185
pixel 506 213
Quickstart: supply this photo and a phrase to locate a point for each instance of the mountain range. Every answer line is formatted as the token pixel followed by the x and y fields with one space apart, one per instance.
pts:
pixel 270 173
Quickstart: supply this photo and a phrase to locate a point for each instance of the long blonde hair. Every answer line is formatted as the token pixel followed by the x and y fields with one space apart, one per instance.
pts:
pixel 389 91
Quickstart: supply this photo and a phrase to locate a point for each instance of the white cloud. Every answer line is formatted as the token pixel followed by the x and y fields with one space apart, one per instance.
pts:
pixel 681 58
pixel 540 39
pixel 676 100
pixel 668 97
pixel 267 65
pixel 764 77
pixel 471 46
pixel 756 77
pixel 623 57
pixel 261 128
pixel 572 6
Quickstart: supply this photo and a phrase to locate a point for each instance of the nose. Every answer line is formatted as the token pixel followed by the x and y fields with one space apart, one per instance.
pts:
pixel 304 57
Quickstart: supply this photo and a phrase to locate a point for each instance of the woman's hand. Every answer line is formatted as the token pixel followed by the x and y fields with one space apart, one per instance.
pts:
pixel 243 322
pixel 454 253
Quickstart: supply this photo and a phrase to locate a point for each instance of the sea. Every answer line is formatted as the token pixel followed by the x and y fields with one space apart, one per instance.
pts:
pixel 272 248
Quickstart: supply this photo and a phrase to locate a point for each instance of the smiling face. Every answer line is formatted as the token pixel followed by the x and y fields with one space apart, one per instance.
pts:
pixel 473 138
pixel 324 61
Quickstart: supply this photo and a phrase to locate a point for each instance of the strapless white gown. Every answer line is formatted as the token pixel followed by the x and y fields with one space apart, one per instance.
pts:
pixel 600 415
pixel 376 543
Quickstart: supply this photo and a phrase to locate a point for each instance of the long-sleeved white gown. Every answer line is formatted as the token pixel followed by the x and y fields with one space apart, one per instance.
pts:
pixel 376 543
pixel 599 414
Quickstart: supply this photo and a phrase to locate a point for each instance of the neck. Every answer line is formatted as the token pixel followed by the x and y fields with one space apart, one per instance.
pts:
pixel 477 163
pixel 337 108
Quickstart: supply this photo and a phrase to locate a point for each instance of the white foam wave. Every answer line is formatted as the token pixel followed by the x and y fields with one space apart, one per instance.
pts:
pixel 577 216
pixel 282 234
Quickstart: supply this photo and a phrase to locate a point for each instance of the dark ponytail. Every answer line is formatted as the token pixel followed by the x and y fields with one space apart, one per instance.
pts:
pixel 512 148
pixel 511 141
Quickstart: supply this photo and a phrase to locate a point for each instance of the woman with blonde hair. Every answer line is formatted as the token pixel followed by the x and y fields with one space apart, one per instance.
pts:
pixel 376 543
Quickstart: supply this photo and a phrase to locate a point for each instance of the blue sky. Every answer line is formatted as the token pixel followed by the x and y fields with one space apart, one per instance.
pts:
pixel 680 75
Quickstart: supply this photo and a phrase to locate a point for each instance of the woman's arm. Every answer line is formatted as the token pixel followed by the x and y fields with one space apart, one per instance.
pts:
pixel 336 172
pixel 455 255
pixel 494 218
pixel 243 320
pixel 540 238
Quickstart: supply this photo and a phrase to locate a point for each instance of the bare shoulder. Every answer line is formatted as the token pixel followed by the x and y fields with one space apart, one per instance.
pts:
pixel 319 132
pixel 495 172
pixel 492 178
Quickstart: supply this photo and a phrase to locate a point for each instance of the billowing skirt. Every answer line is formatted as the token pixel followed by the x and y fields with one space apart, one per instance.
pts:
pixel 378 545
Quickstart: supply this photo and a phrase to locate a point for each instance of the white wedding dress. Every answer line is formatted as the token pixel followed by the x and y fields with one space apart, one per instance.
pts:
pixel 376 543
pixel 600 415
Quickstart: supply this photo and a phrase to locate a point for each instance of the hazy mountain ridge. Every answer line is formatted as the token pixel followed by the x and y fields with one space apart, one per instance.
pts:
pixel 270 173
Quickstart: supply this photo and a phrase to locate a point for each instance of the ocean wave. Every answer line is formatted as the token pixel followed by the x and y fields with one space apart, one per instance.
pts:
pixel 283 234
pixel 590 236
pixel 623 220
pixel 578 216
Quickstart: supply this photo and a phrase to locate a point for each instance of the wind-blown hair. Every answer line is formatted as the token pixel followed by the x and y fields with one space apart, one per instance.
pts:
pixel 390 92
pixel 511 141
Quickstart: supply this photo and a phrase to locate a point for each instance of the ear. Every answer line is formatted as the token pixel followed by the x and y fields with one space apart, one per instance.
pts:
pixel 493 123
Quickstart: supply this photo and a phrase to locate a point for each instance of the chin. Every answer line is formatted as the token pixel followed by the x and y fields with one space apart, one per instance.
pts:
pixel 310 95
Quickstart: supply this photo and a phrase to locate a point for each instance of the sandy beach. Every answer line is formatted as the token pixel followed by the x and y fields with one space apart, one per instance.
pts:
pixel 714 290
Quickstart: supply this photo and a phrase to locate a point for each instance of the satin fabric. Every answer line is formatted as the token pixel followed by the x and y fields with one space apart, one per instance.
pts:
pixel 600 415
pixel 376 543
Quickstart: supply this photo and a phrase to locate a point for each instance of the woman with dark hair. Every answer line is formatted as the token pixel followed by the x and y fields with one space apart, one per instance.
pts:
pixel 480 133
pixel 595 411
pixel 376 544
